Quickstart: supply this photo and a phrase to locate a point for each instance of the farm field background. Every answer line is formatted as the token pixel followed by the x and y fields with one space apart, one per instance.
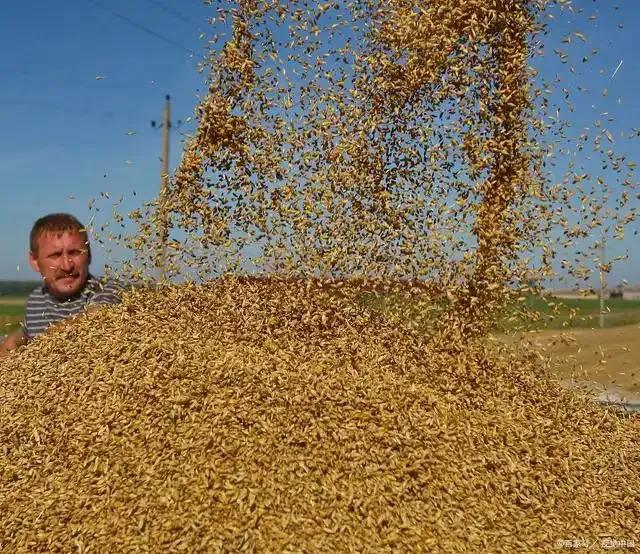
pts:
pixel 619 312
pixel 580 351
pixel 13 295
pixel 11 313
pixel 609 357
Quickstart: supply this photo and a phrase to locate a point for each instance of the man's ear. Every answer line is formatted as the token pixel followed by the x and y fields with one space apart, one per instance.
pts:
pixel 33 262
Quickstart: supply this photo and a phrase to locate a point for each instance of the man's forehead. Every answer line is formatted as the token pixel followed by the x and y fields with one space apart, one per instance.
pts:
pixel 60 238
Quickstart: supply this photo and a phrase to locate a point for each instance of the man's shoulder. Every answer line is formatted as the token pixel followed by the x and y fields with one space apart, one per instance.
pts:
pixel 36 295
pixel 97 281
pixel 104 290
pixel 104 283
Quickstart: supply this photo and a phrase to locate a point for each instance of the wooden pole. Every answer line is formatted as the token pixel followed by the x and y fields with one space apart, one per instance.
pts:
pixel 164 187
pixel 602 280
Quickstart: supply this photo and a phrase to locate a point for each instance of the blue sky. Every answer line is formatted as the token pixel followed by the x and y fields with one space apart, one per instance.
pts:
pixel 602 91
pixel 67 134
pixel 66 131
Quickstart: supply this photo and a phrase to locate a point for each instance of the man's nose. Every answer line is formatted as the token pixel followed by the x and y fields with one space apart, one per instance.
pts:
pixel 66 264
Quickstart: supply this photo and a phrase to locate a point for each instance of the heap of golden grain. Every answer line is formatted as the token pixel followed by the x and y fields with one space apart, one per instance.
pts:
pixel 283 416
pixel 339 142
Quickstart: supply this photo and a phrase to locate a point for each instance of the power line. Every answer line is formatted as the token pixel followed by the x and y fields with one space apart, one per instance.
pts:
pixel 175 13
pixel 73 111
pixel 141 27
pixel 61 81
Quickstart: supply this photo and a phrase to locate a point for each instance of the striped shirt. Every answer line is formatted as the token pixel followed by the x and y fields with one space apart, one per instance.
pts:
pixel 43 309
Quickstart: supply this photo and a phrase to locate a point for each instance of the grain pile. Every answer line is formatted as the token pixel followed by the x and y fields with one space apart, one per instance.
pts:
pixel 277 417
pixel 285 415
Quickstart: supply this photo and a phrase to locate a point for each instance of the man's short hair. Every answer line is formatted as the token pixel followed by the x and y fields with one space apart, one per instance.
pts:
pixel 56 223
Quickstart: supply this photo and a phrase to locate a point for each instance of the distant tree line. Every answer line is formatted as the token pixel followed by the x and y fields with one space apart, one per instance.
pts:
pixel 617 292
pixel 17 288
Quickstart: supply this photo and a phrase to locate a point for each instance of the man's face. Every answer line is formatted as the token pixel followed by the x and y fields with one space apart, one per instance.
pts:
pixel 63 261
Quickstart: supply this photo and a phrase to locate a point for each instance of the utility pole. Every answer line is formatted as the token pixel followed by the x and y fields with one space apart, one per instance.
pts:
pixel 602 279
pixel 162 212
pixel 166 126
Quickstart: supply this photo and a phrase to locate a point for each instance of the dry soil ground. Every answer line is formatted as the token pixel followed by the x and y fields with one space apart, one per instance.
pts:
pixel 607 357
pixel 12 301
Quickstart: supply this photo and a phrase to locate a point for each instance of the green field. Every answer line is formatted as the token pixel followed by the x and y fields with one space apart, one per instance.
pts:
pixel 11 314
pixel 584 312
pixel 551 313
pixel 13 295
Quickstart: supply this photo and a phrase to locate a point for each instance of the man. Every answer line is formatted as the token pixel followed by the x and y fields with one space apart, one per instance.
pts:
pixel 59 250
